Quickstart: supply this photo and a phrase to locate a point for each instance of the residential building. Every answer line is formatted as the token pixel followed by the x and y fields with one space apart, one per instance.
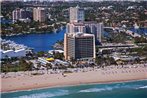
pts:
pixel 76 14
pixel 77 24
pixel 39 14
pixel 90 27
pixel 19 14
pixel 75 27
pixel 95 28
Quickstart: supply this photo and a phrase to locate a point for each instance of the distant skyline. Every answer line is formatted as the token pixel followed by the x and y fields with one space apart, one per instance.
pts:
pixel 73 0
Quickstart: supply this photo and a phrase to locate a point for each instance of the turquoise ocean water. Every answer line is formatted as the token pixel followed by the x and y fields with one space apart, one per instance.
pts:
pixel 136 89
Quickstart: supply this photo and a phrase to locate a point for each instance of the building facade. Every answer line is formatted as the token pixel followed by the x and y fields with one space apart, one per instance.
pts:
pixel 86 27
pixel 94 28
pixel 39 14
pixel 76 14
pixel 81 36
pixel 79 46
pixel 75 27
pixel 18 14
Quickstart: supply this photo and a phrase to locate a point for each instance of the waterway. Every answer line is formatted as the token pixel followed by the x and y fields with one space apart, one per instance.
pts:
pixel 39 42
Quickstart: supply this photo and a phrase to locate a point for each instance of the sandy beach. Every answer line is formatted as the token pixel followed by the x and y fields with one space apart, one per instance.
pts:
pixel 82 76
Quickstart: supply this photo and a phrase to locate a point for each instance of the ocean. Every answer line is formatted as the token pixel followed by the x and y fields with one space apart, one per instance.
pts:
pixel 134 89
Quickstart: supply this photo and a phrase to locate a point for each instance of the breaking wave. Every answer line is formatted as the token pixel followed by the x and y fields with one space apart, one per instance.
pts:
pixel 46 94
pixel 109 88
pixel 95 90
pixel 142 87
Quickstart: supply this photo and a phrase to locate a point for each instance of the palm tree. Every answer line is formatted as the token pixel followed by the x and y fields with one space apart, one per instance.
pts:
pixel 29 67
pixel 48 66
pixel 5 69
pixel 38 66
pixel 72 60
pixel 15 70
pixel 7 58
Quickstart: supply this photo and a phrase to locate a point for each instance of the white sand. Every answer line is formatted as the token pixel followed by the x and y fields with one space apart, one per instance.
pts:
pixel 95 76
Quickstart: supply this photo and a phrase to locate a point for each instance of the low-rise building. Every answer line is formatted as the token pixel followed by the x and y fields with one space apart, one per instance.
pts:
pixel 13 53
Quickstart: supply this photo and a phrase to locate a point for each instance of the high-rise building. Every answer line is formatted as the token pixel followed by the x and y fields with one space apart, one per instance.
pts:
pixel 79 46
pixel 76 14
pixel 95 28
pixel 18 14
pixel 90 27
pixel 39 14
pixel 75 27
pixel 77 24
pixel 81 36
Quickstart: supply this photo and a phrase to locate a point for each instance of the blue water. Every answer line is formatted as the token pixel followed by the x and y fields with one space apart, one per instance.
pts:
pixel 136 89
pixel 3 21
pixel 44 42
pixel 40 42
pixel 141 31
pixel 106 34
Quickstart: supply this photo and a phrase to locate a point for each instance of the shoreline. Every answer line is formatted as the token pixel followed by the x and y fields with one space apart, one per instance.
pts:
pixel 23 83
pixel 109 82
pixel 48 32
pixel 34 32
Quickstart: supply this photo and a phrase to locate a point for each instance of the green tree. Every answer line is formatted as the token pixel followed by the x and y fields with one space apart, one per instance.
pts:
pixel 59 56
pixel 40 53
